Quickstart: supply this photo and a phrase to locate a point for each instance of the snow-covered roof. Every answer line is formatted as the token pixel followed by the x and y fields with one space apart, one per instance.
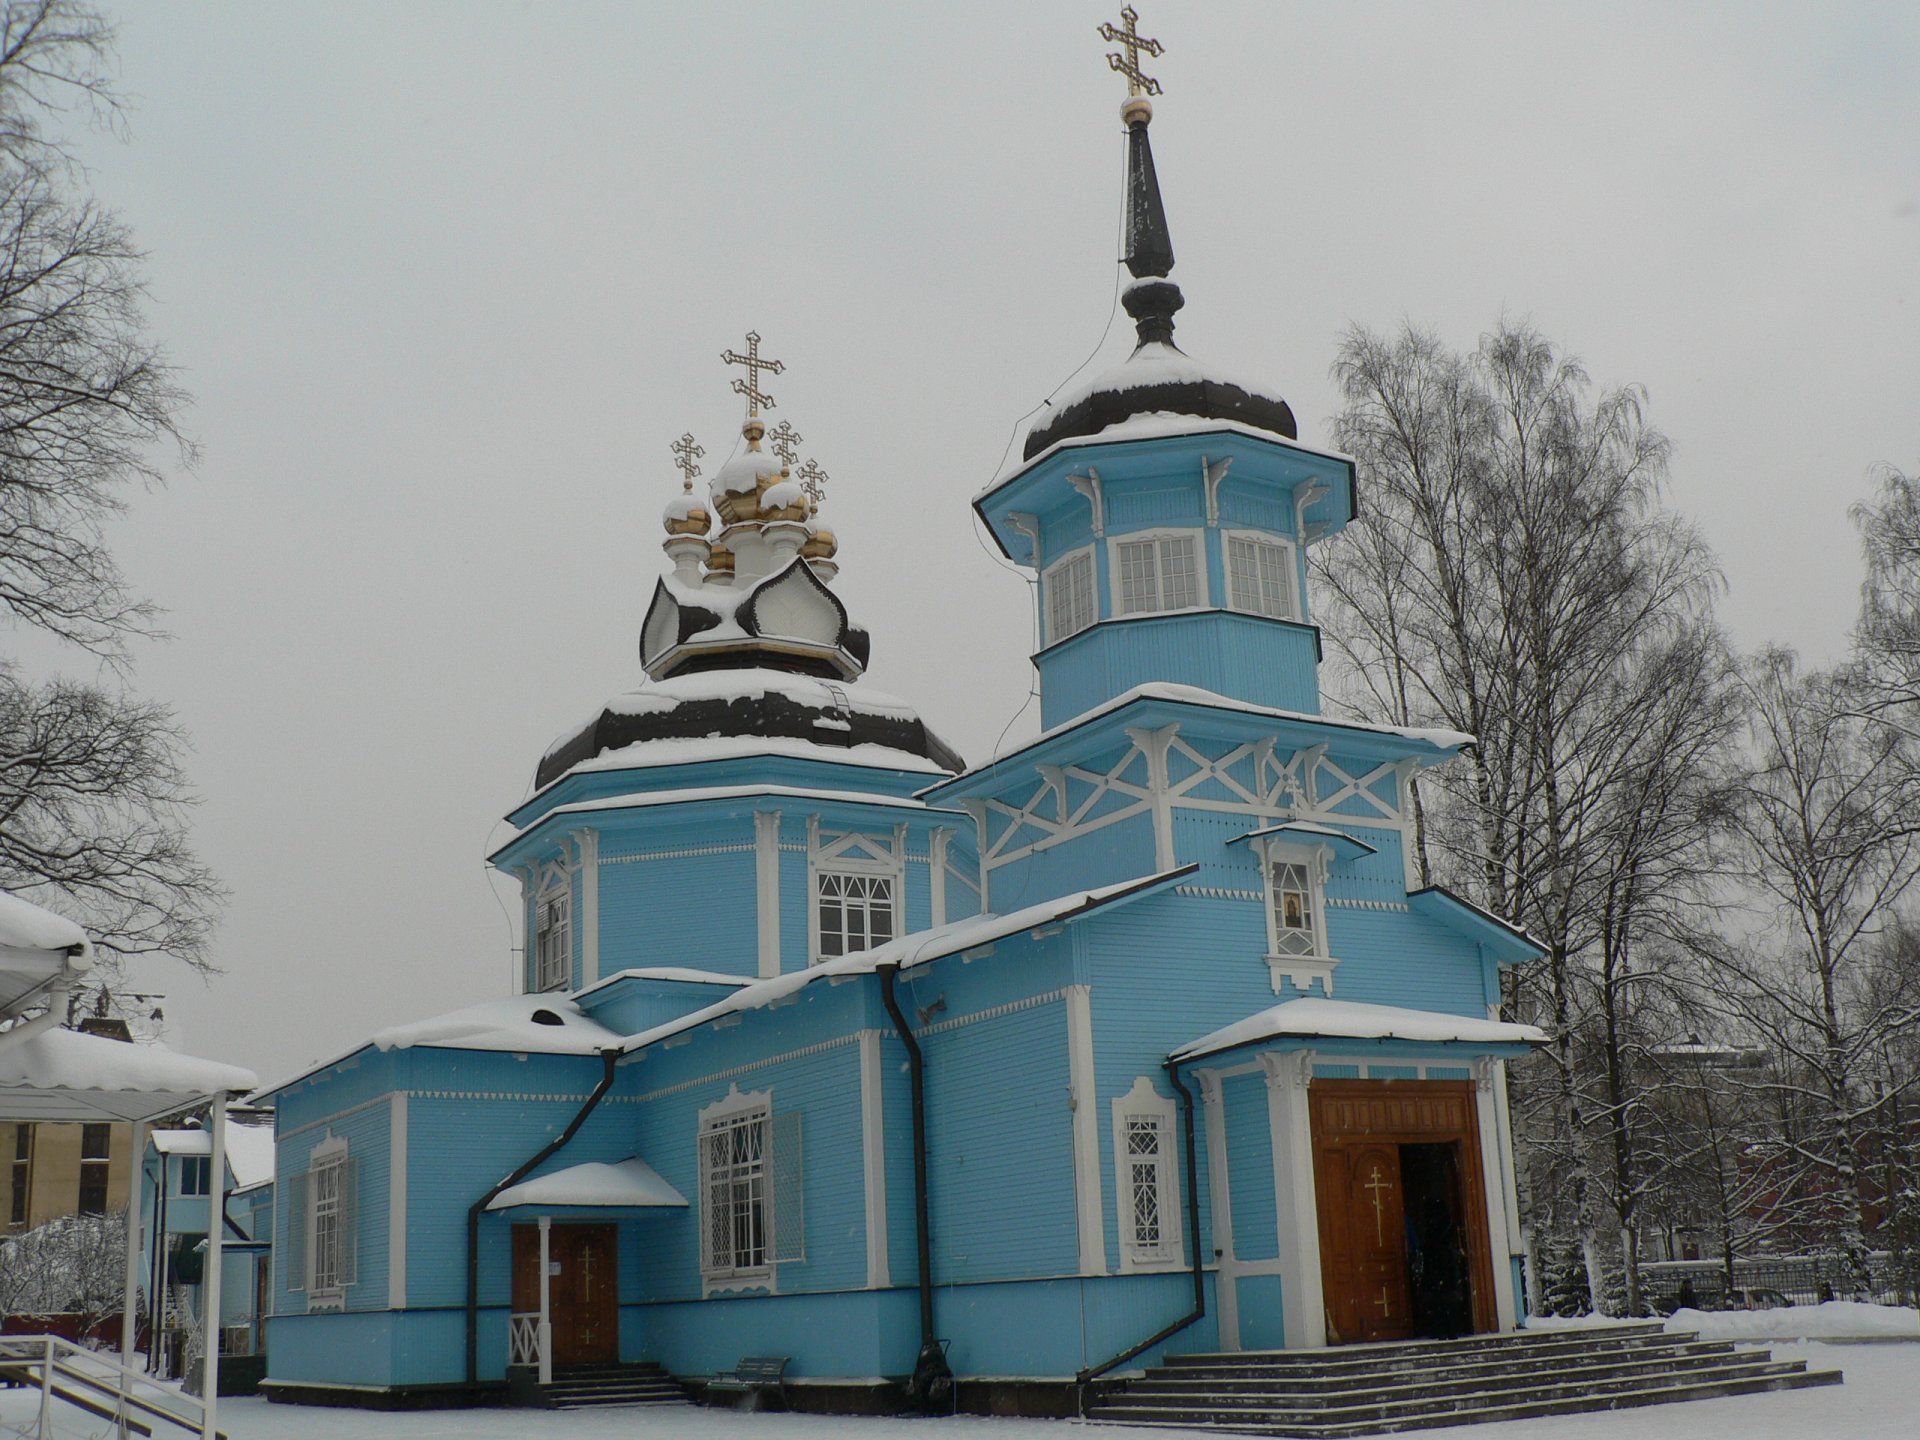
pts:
pixel 65 1075
pixel 543 1024
pixel 1149 425
pixel 666 972
pixel 645 754
pixel 629 1184
pixel 26 926
pixel 922 947
pixel 1313 1019
pixel 716 792
pixel 249 1150
pixel 1309 832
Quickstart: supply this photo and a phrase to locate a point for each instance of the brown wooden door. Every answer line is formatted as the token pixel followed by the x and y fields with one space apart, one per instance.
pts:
pixel 1363 1243
pixel 584 1293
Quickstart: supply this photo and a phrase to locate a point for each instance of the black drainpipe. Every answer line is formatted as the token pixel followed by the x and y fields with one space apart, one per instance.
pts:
pixel 1094 1372
pixel 608 1060
pixel 931 1387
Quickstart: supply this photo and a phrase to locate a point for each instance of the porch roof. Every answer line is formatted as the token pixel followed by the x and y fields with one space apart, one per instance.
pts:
pixel 64 1075
pixel 631 1184
pixel 1313 1019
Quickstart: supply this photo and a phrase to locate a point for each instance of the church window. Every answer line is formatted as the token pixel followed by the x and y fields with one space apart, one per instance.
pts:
pixel 553 944
pixel 735 1179
pixel 1259 576
pixel 1069 593
pixel 1295 907
pixel 1143 1138
pixel 330 1220
pixel 856 912
pixel 1158 572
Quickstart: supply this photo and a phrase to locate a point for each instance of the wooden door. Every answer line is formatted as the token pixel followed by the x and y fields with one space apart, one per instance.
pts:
pixel 584 1290
pixel 1363 1243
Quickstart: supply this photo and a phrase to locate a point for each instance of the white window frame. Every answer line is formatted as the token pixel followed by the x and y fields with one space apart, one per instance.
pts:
pixel 329 1160
pixel 855 854
pixel 1316 964
pixel 1290 569
pixel 1116 571
pixel 1144 1107
pixel 1054 575
pixel 730 1116
pixel 553 900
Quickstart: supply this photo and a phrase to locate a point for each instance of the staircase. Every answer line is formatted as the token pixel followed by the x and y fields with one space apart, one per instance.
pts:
pixel 577 1386
pixel 1381 1389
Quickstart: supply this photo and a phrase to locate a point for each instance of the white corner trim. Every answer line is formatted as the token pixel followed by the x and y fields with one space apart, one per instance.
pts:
pixel 1144 1100
pixel 1220 1191
pixel 589 842
pixel 1296 1205
pixel 1496 1187
pixel 873 1154
pixel 937 841
pixel 1088 1203
pixel 397 1203
pixel 766 874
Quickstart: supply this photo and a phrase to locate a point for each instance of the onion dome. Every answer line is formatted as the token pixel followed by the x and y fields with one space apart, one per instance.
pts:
pixel 783 500
pixel 719 560
pixel 822 543
pixel 736 486
pixel 1158 378
pixel 686 514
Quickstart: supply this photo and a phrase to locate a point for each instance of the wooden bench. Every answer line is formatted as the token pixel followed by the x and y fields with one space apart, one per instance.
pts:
pixel 756 1378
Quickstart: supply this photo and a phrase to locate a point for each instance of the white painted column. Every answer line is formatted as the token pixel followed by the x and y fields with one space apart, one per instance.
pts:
pixel 1220 1190
pixel 546 1301
pixel 873 1156
pixel 1154 744
pixel 397 1202
pixel 210 1276
pixel 766 874
pixel 130 1289
pixel 937 840
pixel 1296 1206
pixel 1089 1204
pixel 589 842
pixel 978 810
pixel 1497 1185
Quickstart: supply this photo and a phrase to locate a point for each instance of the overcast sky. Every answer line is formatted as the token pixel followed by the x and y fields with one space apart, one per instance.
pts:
pixel 446 280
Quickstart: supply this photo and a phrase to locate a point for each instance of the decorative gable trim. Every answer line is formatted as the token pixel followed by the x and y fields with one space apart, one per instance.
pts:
pixel 795 605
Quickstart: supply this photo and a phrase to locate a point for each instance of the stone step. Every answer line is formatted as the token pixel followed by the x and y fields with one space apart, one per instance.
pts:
pixel 1305 1393
pixel 1435 1408
pixel 1513 1340
pixel 1506 1409
pixel 1335 1375
pixel 1382 1358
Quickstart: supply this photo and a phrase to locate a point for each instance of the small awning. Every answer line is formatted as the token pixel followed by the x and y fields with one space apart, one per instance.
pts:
pixel 632 1184
pixel 1306 832
pixel 1313 1019
pixel 65 1075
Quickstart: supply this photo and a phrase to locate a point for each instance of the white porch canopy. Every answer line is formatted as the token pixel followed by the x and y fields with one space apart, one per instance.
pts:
pixel 1314 1019
pixel 64 1076
pixel 630 1184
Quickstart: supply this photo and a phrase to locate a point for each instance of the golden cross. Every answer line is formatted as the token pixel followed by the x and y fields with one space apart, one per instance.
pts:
pixel 1378 1185
pixel 1135 44
pixel 813 480
pixel 757 399
pixel 685 453
pixel 784 441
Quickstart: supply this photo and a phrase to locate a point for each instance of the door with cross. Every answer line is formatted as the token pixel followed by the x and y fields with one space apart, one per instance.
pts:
pixel 1364 1243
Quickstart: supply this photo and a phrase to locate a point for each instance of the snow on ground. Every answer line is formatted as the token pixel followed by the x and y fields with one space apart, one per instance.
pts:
pixel 1835 1320
pixel 1876 1403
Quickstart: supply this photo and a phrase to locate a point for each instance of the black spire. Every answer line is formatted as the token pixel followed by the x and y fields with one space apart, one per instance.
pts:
pixel 1152 298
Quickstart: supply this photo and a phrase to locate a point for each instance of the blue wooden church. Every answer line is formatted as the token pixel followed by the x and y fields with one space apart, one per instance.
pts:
pixel 938 1081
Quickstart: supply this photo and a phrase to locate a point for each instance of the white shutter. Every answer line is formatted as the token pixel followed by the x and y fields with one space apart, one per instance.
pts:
pixel 349 1221
pixel 294 1206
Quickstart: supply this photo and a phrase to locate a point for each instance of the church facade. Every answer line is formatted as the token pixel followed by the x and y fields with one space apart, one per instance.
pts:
pixel 1142 1038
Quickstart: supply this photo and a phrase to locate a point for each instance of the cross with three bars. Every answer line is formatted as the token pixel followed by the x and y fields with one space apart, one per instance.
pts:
pixel 1135 44
pixel 685 454
pixel 757 399
pixel 783 440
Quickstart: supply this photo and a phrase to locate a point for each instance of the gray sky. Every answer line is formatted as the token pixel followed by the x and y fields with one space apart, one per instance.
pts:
pixel 447 279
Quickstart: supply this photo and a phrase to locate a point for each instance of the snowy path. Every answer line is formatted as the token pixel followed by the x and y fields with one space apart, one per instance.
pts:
pixel 1876 1403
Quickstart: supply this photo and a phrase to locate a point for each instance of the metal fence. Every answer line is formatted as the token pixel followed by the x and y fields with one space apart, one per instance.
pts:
pixel 1769 1280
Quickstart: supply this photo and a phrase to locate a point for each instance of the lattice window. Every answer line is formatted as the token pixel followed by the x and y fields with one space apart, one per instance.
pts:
pixel 1295 899
pixel 553 943
pixel 330 1223
pixel 734 1193
pixel 1070 603
pixel 1161 573
pixel 857 912
pixel 1259 577
pixel 1143 1138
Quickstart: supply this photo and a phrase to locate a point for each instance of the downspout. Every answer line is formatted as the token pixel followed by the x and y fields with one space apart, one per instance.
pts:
pixel 609 1060
pixel 1094 1372
pixel 931 1387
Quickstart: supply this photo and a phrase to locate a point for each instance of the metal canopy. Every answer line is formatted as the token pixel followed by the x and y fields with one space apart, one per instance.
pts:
pixel 67 1076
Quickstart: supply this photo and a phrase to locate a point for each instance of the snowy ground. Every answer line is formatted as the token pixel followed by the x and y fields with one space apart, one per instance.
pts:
pixel 1876 1403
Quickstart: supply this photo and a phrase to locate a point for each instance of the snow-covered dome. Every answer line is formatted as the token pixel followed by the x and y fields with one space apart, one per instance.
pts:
pixel 783 500
pixel 686 514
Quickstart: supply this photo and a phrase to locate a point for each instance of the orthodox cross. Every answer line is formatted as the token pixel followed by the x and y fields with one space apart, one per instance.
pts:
pixel 1135 44
pixel 813 480
pixel 757 399
pixel 784 441
pixel 685 454
pixel 1379 1185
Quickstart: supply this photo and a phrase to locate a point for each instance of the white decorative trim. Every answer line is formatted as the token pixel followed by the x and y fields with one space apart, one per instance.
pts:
pixel 1154 744
pixel 1087 1198
pixel 854 852
pixel 1028 525
pixel 1397 906
pixel 736 1070
pixel 1302 971
pixel 588 840
pixel 397 1202
pixel 1281 543
pixel 1220 1190
pixel 1496 1186
pixel 1296 1207
pixel 1219 892
pixel 766 1275
pixel 1212 472
pixel 686 852
pixel 992 1012
pixel 1202 597
pixel 1089 486
pixel 766 875
pixel 330 1152
pixel 1143 1101
pixel 873 1156
pixel 937 841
